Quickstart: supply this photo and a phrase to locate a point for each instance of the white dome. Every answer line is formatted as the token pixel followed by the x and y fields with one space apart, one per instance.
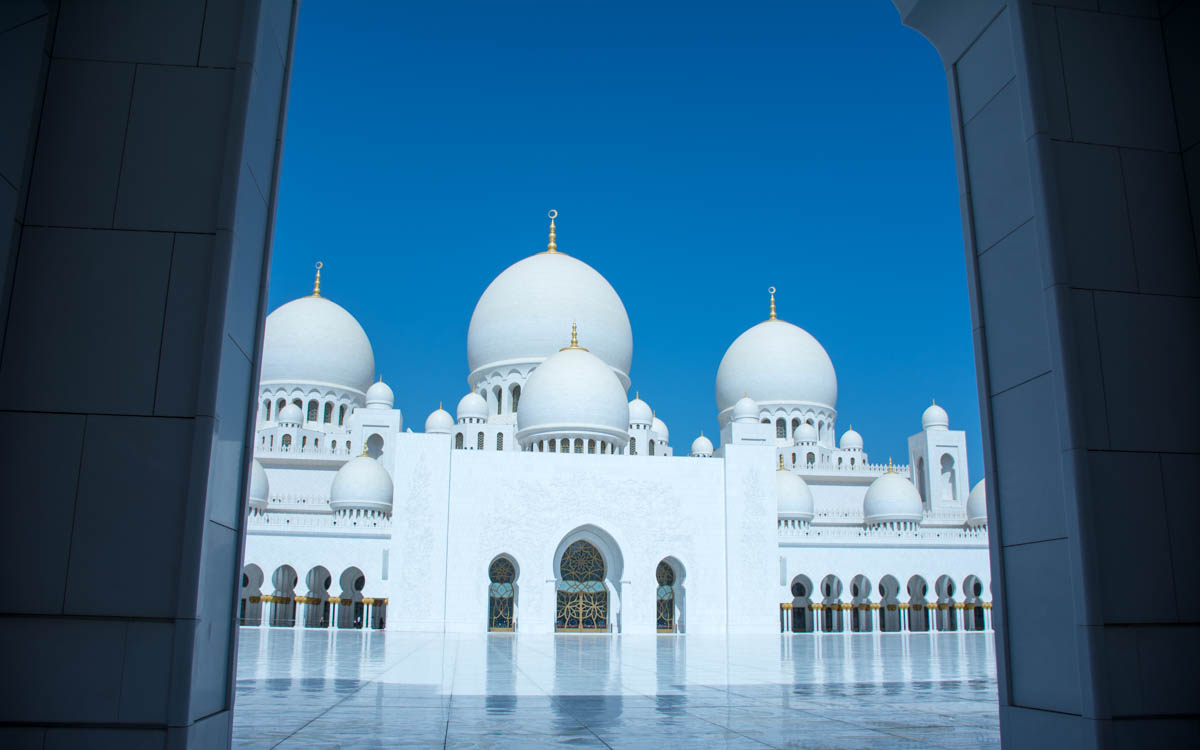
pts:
pixel 702 446
pixel 851 440
pixel 439 421
pixel 361 483
pixel 805 433
pixel 522 315
pixel 776 363
pixel 977 505
pixel 659 429
pixel 314 341
pixel 380 396
pixel 745 410
pixel 573 393
pixel 472 406
pixel 640 412
pixel 795 498
pixel 935 418
pixel 290 414
pixel 891 497
pixel 260 488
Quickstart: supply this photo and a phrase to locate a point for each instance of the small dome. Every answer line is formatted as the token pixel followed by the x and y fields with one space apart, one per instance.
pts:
pixel 795 498
pixel 380 396
pixel 472 406
pixel 659 429
pixel 314 341
pixel 891 497
pixel 935 418
pixel 702 447
pixel 851 440
pixel 805 433
pixel 977 505
pixel 440 421
pixel 745 410
pixel 260 488
pixel 362 484
pixel 574 393
pixel 290 414
pixel 640 412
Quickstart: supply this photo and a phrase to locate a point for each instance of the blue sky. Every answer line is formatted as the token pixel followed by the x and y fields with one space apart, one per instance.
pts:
pixel 697 153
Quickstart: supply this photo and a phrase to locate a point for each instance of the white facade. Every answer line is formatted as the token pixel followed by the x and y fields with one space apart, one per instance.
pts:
pixel 481 523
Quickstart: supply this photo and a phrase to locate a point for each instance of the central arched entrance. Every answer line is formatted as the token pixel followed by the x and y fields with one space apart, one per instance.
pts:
pixel 582 601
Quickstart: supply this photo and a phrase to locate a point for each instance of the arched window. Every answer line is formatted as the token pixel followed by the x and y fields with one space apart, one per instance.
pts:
pixel 811 460
pixel 516 397
pixel 650 447
pixel 479 442
pixel 665 575
pixel 766 421
pixel 780 428
pixel 839 462
pixel 499 441
pixel 633 446
pixel 341 415
pixel 921 480
pixel 565 446
pixel 328 412
pixel 313 406
pixel 349 447
pixel 499 393
pixel 375 445
pixel 502 575
pixel 272 441
pixel 286 442
pixel 851 462
pixel 793 459
pixel 299 404
pixel 266 415
pixel 279 406
pixel 458 441
pixel 303 442
pixel 603 447
pixel 316 443
pixel 578 445
pixel 553 446
pixel 795 424
pixel 333 447
pixel 591 446
pixel 947 487
pixel 582 599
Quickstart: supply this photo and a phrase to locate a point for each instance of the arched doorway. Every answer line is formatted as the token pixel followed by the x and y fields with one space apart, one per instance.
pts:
pixel 582 599
pixel 889 605
pixel 375 445
pixel 918 608
pixel 316 600
pixel 802 612
pixel 283 598
pixel 502 595
pixel 947 614
pixel 351 607
pixel 667 601
pixel 861 620
pixel 250 604
pixel 831 604
pixel 974 617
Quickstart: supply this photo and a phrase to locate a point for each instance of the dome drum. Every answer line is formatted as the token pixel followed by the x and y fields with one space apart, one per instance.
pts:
pixel 529 438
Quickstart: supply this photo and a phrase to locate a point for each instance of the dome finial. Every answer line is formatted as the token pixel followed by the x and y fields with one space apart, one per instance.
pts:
pixel 317 283
pixel 772 291
pixel 364 453
pixel 890 470
pixel 781 468
pixel 552 246
pixel 574 340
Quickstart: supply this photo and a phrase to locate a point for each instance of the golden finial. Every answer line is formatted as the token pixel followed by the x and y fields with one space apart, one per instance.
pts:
pixel 317 283
pixel 364 453
pixel 890 470
pixel 574 340
pixel 552 246
pixel 781 467
pixel 772 291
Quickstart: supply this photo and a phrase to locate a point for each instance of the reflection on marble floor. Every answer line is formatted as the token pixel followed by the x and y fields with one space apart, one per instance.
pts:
pixel 301 688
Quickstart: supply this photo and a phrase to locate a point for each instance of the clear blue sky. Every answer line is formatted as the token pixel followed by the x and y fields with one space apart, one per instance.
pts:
pixel 697 154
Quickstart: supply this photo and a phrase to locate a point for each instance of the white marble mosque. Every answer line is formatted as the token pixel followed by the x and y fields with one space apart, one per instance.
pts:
pixel 550 502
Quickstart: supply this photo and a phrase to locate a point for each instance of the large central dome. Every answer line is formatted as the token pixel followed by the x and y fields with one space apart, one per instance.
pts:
pixel 522 314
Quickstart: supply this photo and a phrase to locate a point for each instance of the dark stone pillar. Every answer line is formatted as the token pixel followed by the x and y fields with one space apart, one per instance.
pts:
pixel 1076 127
pixel 139 155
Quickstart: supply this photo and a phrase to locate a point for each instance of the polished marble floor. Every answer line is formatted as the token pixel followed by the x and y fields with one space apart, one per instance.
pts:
pixel 353 689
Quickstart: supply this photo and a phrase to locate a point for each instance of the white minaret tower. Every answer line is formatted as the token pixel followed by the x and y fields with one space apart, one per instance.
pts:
pixel 938 461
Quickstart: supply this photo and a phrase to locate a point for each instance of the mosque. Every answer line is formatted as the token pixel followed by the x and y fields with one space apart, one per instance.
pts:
pixel 550 503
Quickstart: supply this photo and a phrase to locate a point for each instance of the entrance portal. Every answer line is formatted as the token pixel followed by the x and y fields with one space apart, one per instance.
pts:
pixel 582 598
